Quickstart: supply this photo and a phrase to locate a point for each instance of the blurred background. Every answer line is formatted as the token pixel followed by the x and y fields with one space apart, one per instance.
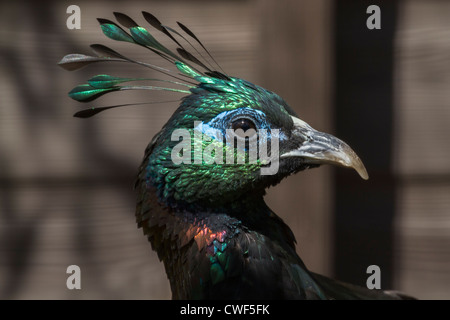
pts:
pixel 66 184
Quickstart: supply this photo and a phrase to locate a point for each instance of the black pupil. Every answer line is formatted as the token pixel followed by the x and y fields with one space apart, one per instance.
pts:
pixel 244 124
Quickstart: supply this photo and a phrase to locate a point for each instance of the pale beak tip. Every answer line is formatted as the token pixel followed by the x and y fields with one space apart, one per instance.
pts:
pixel 359 167
pixel 353 161
pixel 363 173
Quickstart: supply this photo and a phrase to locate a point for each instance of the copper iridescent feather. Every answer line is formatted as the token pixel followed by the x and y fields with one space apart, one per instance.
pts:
pixel 208 221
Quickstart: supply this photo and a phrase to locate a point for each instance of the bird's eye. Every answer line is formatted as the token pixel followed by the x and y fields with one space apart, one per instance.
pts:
pixel 244 124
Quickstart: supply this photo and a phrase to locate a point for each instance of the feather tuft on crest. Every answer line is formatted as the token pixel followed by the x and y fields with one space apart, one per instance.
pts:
pixel 188 65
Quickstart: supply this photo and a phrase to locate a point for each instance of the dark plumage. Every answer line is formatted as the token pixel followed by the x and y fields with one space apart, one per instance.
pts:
pixel 208 221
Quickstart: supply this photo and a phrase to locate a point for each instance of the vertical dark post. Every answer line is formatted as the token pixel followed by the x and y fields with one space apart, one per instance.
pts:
pixel 364 119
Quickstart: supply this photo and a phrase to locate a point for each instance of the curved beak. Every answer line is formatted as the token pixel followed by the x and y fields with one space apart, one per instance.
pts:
pixel 322 148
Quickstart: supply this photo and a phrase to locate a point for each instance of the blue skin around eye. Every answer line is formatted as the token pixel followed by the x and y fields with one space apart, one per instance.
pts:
pixel 223 121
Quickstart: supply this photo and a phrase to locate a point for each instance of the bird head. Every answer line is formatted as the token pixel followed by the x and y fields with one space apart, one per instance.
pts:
pixel 228 137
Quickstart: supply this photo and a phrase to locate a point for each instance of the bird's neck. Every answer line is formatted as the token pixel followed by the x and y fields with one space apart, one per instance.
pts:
pixel 181 236
pixel 251 213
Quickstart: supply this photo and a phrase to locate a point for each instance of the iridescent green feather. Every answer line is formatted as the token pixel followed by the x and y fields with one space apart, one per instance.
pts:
pixel 103 81
pixel 86 92
pixel 185 69
pixel 113 31
pixel 143 37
